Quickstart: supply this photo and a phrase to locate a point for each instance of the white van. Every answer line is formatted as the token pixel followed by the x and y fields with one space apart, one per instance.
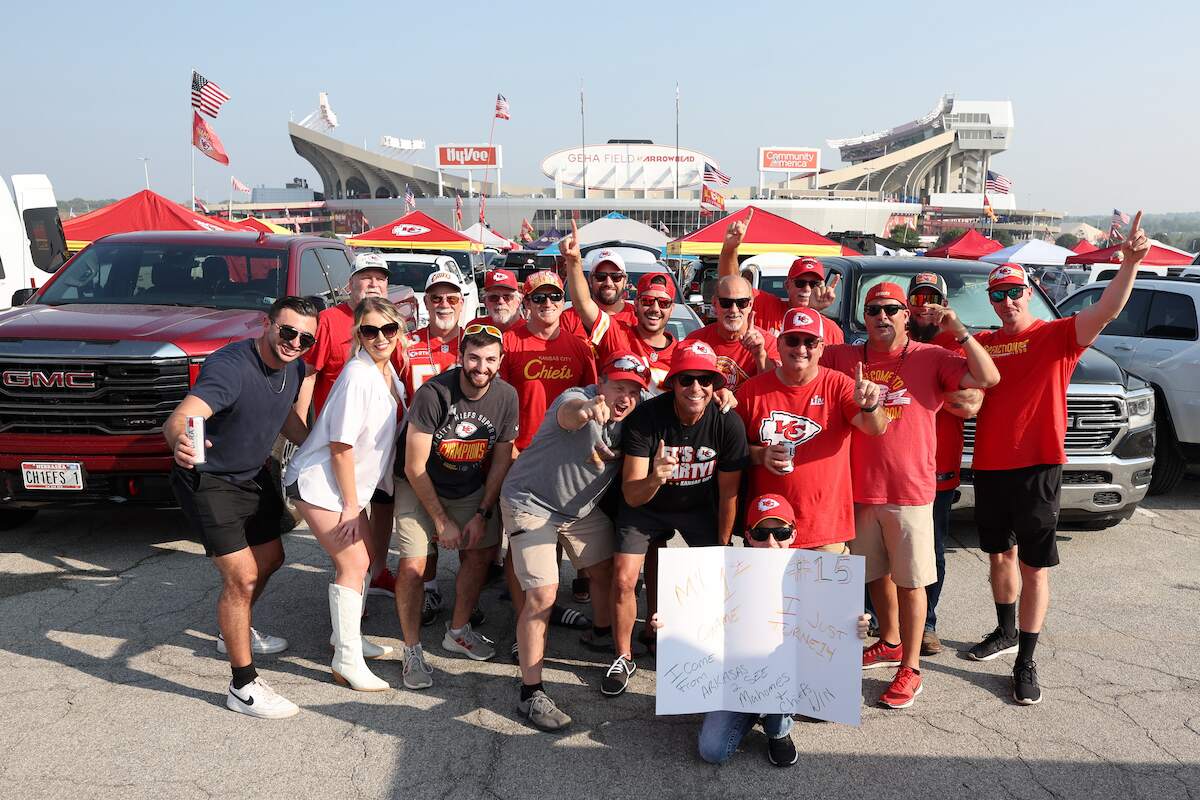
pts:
pixel 32 245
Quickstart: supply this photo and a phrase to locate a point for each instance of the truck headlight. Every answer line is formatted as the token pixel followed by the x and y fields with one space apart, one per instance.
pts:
pixel 1141 411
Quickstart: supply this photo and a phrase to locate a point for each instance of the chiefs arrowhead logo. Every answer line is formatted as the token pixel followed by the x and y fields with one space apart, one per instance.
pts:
pixel 408 229
pixel 706 454
pixel 700 348
pixel 464 429
pixel 800 318
pixel 784 428
pixel 766 504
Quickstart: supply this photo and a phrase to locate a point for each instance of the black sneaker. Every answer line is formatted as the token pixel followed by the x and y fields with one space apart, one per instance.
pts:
pixel 994 644
pixel 477 616
pixel 1025 684
pixel 431 609
pixel 617 677
pixel 782 751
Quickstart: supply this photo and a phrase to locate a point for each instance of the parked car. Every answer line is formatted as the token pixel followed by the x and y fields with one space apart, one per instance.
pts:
pixel 1058 282
pixel 413 269
pixel 32 244
pixel 1155 337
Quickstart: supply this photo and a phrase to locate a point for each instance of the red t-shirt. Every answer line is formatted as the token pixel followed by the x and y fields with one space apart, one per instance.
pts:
pixel 816 418
pixel 734 361
pixel 542 369
pixel 428 355
pixel 948 458
pixel 570 322
pixel 1023 421
pixel 612 336
pixel 898 467
pixel 331 351
pixel 769 311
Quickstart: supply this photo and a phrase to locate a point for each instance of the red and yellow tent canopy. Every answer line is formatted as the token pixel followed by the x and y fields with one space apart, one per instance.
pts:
pixel 261 226
pixel 144 211
pixel 766 233
pixel 971 245
pixel 415 231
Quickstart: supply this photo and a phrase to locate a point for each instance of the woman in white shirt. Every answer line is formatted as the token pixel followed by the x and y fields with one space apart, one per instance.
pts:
pixel 348 454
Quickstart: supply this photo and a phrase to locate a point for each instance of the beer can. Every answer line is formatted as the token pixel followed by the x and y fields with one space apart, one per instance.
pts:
pixel 791 452
pixel 194 428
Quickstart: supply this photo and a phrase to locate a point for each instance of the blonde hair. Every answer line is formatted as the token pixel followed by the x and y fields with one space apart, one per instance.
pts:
pixel 386 309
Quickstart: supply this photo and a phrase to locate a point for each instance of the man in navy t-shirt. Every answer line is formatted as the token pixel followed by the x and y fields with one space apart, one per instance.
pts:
pixel 245 393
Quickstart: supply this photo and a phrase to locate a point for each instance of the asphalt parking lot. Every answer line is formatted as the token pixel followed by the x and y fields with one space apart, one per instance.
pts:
pixel 112 687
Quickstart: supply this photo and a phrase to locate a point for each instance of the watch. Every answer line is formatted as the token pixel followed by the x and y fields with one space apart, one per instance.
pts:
pixel 966 336
pixel 486 513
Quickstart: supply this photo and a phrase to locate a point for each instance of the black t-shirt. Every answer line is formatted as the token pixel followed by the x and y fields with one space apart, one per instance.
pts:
pixel 464 431
pixel 716 443
pixel 250 403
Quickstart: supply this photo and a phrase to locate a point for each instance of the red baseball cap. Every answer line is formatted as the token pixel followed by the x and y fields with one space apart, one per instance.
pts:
pixel 770 506
pixel 1008 275
pixel 886 291
pixel 626 366
pixel 805 265
pixel 500 279
pixel 656 283
pixel 693 356
pixel 542 278
pixel 803 320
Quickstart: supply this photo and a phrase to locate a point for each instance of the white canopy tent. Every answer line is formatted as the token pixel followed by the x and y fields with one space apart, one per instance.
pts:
pixel 1034 252
pixel 489 237
pixel 621 228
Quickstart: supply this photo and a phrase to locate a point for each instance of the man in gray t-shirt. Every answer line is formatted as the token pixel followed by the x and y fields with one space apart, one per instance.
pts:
pixel 550 496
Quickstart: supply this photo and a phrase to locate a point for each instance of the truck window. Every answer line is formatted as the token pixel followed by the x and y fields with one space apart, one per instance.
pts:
pixel 47 244
pixel 312 275
pixel 1130 322
pixel 1172 316
pixel 968 298
pixel 338 266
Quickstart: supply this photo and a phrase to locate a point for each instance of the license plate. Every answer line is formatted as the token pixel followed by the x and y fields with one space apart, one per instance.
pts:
pixel 52 475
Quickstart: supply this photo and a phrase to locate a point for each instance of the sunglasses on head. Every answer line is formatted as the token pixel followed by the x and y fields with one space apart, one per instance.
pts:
pixel 651 302
pixel 796 339
pixel 372 331
pixel 537 298
pixel 706 379
pixel 448 299
pixel 288 334
pixel 890 310
pixel 1012 293
pixel 761 534
pixel 615 277
pixel 811 283
pixel 487 330
pixel 730 302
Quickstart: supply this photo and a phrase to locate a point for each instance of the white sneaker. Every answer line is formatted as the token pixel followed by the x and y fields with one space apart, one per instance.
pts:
pixel 417 672
pixel 257 699
pixel 259 644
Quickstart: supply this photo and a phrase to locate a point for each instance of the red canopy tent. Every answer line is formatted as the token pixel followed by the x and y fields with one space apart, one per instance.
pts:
pixel 971 245
pixel 260 226
pixel 1160 255
pixel 144 211
pixel 766 233
pixel 1084 246
pixel 415 231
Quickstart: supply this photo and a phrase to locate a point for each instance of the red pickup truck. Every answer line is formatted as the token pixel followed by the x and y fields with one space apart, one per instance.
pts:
pixel 97 358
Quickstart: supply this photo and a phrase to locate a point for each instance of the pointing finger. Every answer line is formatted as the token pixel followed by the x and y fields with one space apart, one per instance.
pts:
pixel 574 230
pixel 749 216
pixel 858 375
pixel 837 277
pixel 1137 223
pixel 662 445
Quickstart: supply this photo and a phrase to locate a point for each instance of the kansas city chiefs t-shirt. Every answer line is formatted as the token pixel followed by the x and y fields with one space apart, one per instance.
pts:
pixel 611 336
pixel 542 369
pixel 816 419
pixel 735 362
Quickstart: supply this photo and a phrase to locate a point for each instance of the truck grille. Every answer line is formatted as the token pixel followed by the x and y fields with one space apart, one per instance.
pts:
pixel 89 397
pixel 1093 424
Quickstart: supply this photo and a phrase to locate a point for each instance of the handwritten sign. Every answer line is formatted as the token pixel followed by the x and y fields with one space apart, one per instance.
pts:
pixel 760 631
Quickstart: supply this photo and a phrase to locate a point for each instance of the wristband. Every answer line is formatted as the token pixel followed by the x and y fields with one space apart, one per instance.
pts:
pixel 966 336
pixel 869 410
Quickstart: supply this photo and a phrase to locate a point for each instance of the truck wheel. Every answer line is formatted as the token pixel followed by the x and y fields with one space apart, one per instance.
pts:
pixel 13 517
pixel 281 454
pixel 1169 463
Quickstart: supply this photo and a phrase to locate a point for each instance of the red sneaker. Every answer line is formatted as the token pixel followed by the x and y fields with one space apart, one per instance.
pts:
pixel 881 654
pixel 384 583
pixel 904 689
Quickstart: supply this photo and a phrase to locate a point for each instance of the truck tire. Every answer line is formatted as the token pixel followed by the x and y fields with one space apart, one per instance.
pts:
pixel 13 517
pixel 281 454
pixel 1169 463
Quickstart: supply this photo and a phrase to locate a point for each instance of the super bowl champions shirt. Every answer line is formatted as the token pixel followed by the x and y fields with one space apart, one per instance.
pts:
pixel 464 431
pixel 688 500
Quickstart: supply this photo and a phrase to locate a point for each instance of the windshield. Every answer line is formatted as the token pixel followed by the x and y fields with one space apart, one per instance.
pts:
pixel 775 284
pixel 968 298
pixel 183 275
pixel 410 273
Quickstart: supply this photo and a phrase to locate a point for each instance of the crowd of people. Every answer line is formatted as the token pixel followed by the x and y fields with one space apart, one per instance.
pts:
pixel 593 432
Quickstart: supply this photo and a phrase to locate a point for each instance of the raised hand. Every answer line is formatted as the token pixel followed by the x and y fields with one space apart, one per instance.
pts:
pixel 866 393
pixel 1137 244
pixel 664 464
pixel 753 339
pixel 945 318
pixel 737 231
pixel 569 245
pixel 824 294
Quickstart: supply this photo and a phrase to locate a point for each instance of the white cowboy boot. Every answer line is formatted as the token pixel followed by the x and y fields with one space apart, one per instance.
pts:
pixel 349 669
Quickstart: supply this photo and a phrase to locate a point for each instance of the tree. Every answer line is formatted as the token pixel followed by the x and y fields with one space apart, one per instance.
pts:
pixel 1003 237
pixel 1162 237
pixel 905 234
pixel 949 235
pixel 1067 240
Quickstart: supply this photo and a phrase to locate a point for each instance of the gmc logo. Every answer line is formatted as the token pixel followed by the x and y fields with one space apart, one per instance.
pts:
pixel 37 379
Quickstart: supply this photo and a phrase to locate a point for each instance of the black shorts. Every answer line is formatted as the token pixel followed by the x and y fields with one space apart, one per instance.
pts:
pixel 382 498
pixel 1019 508
pixel 636 539
pixel 228 516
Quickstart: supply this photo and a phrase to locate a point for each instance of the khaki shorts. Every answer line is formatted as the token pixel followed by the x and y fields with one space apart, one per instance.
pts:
pixel 532 539
pixel 897 541
pixel 414 527
pixel 837 548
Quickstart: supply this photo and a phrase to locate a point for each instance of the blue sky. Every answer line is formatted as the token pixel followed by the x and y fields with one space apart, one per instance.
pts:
pixel 1103 95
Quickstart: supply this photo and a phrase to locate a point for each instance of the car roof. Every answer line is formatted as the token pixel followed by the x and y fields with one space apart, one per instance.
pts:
pixel 1188 285
pixel 893 264
pixel 219 238
pixel 420 258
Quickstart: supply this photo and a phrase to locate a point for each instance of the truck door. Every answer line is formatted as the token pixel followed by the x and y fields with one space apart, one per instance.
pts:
pixel 1167 357
pixel 42 227
pixel 1119 339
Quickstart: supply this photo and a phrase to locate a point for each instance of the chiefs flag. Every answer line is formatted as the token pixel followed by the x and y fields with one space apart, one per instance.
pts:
pixel 709 197
pixel 205 140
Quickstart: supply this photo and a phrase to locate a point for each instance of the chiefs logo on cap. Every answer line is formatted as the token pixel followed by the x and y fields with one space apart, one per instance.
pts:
pixel 800 318
pixel 925 277
pixel 700 348
pixel 766 504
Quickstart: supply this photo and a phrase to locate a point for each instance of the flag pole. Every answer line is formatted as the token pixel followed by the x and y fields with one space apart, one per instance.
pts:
pixel 229 213
pixel 676 140
pixel 583 137
pixel 192 152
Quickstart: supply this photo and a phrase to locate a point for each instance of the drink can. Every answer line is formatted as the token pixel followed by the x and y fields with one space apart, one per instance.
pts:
pixel 194 428
pixel 791 452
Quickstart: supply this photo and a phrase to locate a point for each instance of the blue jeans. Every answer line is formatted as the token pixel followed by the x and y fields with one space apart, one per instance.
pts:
pixel 941 529
pixel 723 731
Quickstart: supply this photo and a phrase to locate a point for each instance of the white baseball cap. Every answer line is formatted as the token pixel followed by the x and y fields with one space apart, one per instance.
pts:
pixel 366 261
pixel 442 276
pixel 598 257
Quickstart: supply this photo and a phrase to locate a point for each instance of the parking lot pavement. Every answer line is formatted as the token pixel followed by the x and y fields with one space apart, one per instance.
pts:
pixel 112 687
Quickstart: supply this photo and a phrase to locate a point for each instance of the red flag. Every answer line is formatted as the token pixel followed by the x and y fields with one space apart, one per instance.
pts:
pixel 205 140
pixel 708 197
pixel 482 204
pixel 458 211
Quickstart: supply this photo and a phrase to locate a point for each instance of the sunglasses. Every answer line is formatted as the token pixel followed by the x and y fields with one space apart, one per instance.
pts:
pixel 500 298
pixel 704 380
pixel 370 332
pixel 1012 293
pixel 445 299
pixel 795 340
pixel 891 311
pixel 604 277
pixel 779 534
pixel 801 283
pixel 487 330
pixel 730 302
pixel 288 334
pixel 540 297
pixel 651 302
pixel 920 300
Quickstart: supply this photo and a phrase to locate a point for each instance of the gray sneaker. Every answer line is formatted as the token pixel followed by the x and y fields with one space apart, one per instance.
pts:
pixel 469 643
pixel 417 672
pixel 542 713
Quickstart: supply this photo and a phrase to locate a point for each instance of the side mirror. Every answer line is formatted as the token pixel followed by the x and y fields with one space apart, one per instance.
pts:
pixel 21 296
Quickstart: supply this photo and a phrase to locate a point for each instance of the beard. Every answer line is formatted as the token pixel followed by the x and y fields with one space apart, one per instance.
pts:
pixel 922 333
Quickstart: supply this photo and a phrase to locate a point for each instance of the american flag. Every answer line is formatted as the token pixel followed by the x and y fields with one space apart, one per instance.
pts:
pixel 502 107
pixel 1119 219
pixel 410 200
pixel 238 186
pixel 714 175
pixel 457 211
pixel 997 183
pixel 207 97
pixel 203 209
